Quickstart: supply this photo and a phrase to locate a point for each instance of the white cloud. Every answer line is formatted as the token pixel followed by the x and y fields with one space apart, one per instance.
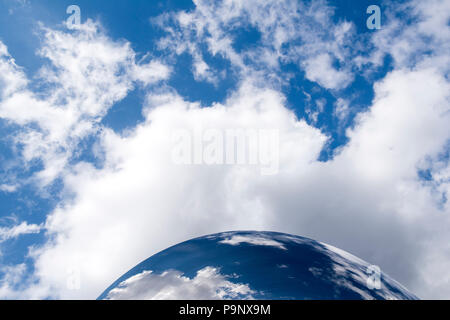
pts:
pixel 12 77
pixel 8 188
pixel 12 276
pixel 151 72
pixel 141 194
pixel 208 284
pixel 342 109
pixel 425 43
pixel 86 74
pixel 202 71
pixel 291 31
pixel 320 69
pixel 7 233
pixel 254 240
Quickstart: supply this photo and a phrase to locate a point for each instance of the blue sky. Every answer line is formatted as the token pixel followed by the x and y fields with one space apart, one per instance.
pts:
pixel 334 90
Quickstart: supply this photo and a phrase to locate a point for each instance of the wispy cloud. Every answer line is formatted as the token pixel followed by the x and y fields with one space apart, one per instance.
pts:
pixel 86 74
pixel 7 233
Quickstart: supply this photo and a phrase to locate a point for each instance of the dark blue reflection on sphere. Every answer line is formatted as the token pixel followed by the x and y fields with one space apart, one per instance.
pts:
pixel 254 265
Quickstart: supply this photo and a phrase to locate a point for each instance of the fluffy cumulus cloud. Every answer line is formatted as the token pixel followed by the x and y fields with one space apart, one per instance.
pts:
pixel 144 197
pixel 368 199
pixel 208 284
